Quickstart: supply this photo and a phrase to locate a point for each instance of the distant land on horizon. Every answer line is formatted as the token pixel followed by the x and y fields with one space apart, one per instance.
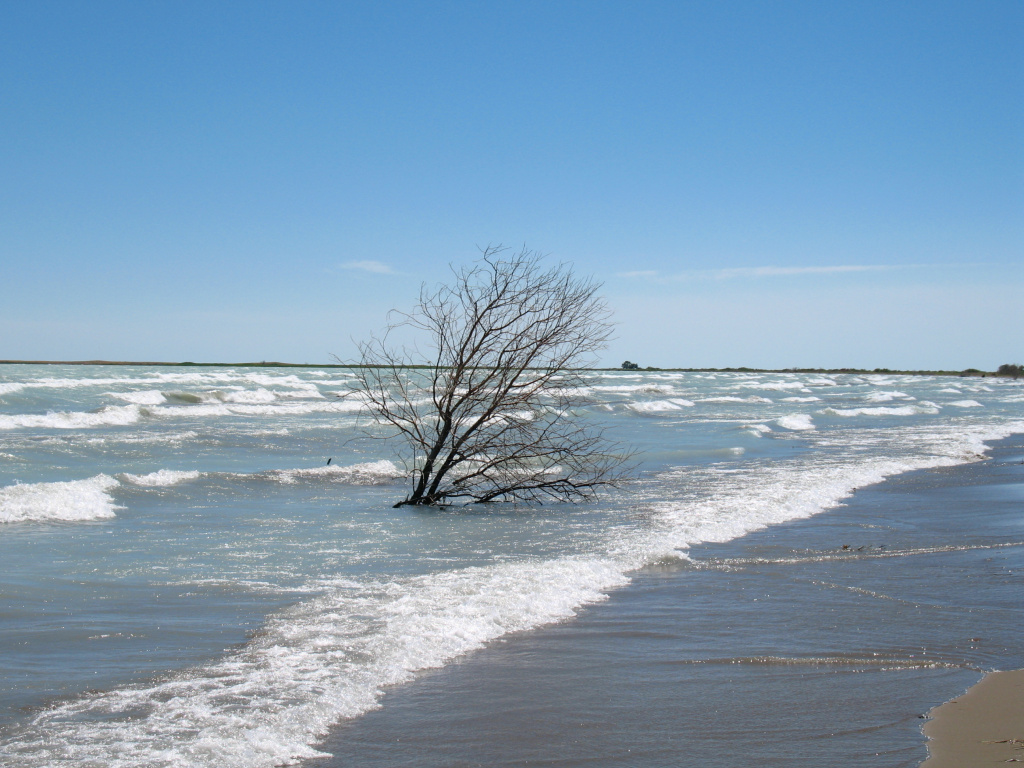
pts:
pixel 741 369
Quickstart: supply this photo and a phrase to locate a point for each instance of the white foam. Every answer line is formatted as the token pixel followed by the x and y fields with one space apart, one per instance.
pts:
pixel 660 406
pixel 726 506
pixel 774 386
pixel 330 657
pixel 70 501
pixel 10 387
pixel 966 404
pixel 261 395
pixel 367 473
pixel 324 660
pixel 810 399
pixel 654 389
pixel 192 378
pixel 734 399
pixel 903 410
pixel 313 393
pixel 797 422
pixel 144 397
pixel 110 416
pixel 885 397
pixel 286 409
pixel 162 477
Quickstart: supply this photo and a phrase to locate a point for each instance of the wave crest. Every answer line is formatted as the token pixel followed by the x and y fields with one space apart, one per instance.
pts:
pixel 69 501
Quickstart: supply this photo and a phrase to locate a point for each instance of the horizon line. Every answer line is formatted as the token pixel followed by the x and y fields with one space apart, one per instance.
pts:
pixel 726 369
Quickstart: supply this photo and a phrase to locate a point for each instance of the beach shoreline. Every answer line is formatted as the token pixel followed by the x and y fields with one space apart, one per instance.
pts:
pixel 982 727
pixel 778 639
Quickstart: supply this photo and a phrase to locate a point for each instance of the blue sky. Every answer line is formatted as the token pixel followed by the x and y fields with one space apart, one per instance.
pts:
pixel 756 183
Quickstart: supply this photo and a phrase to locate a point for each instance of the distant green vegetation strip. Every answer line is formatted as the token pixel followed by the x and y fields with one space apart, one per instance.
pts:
pixel 1005 370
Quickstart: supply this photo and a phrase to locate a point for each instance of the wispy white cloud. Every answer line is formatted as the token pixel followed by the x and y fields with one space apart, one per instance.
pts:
pixel 730 273
pixel 376 267
pixel 724 274
pixel 639 273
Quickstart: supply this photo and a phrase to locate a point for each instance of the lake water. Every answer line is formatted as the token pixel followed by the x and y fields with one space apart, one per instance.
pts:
pixel 187 582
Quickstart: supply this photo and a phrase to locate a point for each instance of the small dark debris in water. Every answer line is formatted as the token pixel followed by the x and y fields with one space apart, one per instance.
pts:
pixel 846 546
pixel 329 461
pixel 860 549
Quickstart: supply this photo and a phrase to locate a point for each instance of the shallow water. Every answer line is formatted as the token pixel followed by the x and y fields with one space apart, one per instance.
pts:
pixel 187 583
pixel 781 647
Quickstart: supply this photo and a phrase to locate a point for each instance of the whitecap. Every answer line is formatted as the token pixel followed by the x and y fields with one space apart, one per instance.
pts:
pixel 797 422
pixel 162 477
pixel 109 416
pixel 903 410
pixel 885 397
pixel 367 473
pixel 10 387
pixel 774 386
pixel 660 406
pixel 143 397
pixel 734 399
pixel 249 396
pixel 69 501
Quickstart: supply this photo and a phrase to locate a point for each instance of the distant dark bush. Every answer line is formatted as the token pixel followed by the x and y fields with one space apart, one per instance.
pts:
pixel 1009 369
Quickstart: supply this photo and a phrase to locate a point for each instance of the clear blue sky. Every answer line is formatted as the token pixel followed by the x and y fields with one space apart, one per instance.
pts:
pixel 756 183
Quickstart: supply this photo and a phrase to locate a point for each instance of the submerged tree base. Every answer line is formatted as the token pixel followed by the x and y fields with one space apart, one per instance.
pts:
pixel 488 411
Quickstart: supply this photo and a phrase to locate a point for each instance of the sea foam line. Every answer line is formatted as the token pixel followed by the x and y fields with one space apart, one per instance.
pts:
pixel 329 658
pixel 326 659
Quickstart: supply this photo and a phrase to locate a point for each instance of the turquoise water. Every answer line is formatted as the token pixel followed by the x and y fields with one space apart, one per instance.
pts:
pixel 187 582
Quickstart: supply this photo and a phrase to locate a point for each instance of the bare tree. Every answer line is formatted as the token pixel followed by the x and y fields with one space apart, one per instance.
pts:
pixel 487 411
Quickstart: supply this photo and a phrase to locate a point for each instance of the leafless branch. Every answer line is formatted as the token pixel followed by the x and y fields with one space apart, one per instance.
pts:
pixel 489 411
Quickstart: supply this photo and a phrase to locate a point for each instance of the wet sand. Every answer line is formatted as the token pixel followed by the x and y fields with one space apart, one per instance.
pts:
pixel 983 727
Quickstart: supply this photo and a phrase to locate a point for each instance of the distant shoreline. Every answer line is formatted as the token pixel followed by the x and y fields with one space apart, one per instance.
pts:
pixel 276 364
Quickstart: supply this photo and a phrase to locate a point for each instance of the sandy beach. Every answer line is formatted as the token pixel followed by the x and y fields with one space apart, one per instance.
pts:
pixel 983 727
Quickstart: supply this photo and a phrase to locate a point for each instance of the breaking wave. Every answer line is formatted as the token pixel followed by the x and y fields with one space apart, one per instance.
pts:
pixel 70 501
